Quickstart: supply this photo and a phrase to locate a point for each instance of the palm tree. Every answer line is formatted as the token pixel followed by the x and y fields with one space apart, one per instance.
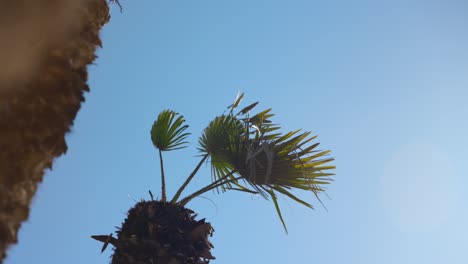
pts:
pixel 38 109
pixel 247 153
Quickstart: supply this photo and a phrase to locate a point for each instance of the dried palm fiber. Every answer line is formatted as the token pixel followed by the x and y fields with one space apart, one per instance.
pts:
pixel 160 232
pixel 45 49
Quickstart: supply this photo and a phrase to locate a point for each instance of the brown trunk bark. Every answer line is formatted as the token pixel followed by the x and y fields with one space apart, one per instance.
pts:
pixel 45 47
pixel 160 232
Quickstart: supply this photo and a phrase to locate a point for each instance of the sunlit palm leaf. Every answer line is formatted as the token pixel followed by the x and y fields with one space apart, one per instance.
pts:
pixel 168 131
pixel 266 160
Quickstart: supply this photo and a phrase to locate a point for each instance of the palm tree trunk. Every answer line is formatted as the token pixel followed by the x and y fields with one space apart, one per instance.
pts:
pixel 160 232
pixel 46 47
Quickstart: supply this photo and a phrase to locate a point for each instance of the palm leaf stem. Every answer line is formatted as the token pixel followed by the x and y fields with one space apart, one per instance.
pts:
pixel 213 185
pixel 163 180
pixel 181 189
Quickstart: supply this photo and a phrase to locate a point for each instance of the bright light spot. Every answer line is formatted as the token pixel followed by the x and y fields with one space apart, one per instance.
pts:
pixel 419 188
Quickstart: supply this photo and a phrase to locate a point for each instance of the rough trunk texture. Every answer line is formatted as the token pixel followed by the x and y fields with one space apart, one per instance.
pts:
pixel 45 47
pixel 157 232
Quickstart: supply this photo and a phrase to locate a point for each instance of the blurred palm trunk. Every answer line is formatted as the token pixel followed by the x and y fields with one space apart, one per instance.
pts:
pixel 45 49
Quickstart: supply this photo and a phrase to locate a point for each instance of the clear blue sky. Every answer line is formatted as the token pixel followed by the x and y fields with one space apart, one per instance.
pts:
pixel 383 84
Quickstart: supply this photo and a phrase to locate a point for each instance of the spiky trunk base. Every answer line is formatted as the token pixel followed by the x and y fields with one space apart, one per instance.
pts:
pixel 156 232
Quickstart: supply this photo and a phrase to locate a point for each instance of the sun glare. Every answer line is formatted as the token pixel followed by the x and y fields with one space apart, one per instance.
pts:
pixel 419 188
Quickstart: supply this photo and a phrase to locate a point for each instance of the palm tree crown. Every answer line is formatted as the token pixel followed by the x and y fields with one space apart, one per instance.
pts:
pixel 247 152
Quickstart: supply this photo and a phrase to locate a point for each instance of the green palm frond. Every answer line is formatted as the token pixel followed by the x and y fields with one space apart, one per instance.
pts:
pixel 168 131
pixel 251 147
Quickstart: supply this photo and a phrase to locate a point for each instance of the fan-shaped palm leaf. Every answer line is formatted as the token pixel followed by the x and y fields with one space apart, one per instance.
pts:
pixel 168 131
pixel 267 161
